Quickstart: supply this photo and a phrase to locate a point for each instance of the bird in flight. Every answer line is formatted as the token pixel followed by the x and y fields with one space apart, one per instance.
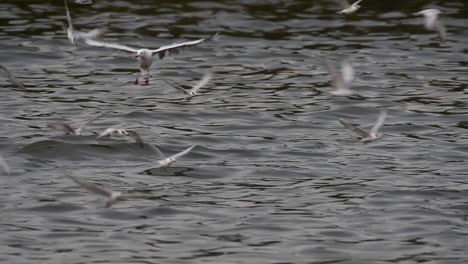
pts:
pixel 165 162
pixel 192 92
pixel 11 77
pixel 145 56
pixel 121 132
pixel 365 136
pixel 75 35
pixel 341 80
pixel 432 22
pixel 349 8
pixel 111 197
pixel 67 129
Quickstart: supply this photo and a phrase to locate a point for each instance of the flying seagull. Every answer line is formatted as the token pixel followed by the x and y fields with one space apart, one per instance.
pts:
pixel 67 129
pixel 111 197
pixel 373 134
pixel 349 9
pixel 75 35
pixel 120 132
pixel 432 21
pixel 192 92
pixel 165 162
pixel 341 81
pixel 11 77
pixel 145 56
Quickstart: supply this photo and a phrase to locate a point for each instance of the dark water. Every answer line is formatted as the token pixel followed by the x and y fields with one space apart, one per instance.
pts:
pixel 275 178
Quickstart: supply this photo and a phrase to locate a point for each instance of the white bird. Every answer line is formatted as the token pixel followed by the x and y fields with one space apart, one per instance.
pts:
pixel 111 196
pixel 373 134
pixel 192 92
pixel 75 35
pixel 169 160
pixel 349 9
pixel 67 129
pixel 120 132
pixel 341 81
pixel 432 21
pixel 145 56
pixel 4 165
pixel 11 77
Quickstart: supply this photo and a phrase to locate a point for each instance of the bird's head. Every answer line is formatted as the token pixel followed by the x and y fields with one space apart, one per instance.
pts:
pixel 141 53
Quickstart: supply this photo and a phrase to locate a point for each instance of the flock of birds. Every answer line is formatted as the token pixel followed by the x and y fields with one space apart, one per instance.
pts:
pixel 341 81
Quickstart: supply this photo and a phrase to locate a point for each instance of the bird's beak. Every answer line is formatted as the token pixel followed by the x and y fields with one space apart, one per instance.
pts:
pixel 137 56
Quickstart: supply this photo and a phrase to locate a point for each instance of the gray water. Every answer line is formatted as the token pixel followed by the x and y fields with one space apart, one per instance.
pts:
pixel 274 178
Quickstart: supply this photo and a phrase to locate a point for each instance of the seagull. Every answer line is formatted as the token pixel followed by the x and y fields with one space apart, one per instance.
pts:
pixel 4 165
pixel 169 160
pixel 120 132
pixel 75 35
pixel 145 56
pixel 192 92
pixel 341 81
pixel 373 133
pixel 349 9
pixel 11 77
pixel 432 21
pixel 111 196
pixel 67 129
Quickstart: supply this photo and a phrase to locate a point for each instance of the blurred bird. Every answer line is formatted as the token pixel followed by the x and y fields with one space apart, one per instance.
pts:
pixel 75 35
pixel 349 9
pixel 341 81
pixel 120 132
pixel 67 129
pixel 111 197
pixel 432 22
pixel 171 159
pixel 373 134
pixel 192 92
pixel 11 77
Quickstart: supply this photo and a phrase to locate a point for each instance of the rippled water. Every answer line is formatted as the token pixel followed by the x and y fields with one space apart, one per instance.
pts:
pixel 275 178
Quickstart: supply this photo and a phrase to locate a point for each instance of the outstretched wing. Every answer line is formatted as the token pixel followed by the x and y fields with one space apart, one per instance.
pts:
pixel 107 132
pixel 157 150
pixel 356 3
pixel 135 136
pixel 177 87
pixel 69 19
pixel 176 47
pixel 441 31
pixel 96 43
pixel 182 153
pixel 90 187
pixel 4 165
pixel 337 79
pixel 379 123
pixel 74 35
pixel 347 73
pixel 356 130
pixel 11 77
pixel 81 127
pixel 62 127
pixel 206 78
